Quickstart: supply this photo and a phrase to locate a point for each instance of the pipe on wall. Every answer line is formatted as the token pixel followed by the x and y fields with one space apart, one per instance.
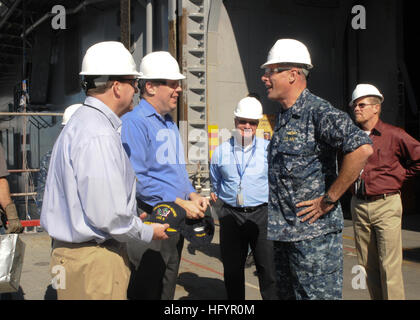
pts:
pixel 172 24
pixel 149 26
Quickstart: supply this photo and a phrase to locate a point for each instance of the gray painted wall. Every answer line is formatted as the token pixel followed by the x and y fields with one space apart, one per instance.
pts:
pixel 247 30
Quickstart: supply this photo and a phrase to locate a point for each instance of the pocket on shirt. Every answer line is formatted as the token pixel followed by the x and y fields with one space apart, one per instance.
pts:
pixel 294 155
pixel 299 164
pixel 318 256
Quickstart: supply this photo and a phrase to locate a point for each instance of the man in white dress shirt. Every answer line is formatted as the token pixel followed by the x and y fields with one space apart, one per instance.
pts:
pixel 89 206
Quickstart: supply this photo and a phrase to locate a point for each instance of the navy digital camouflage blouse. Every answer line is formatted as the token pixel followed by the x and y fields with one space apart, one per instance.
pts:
pixel 302 162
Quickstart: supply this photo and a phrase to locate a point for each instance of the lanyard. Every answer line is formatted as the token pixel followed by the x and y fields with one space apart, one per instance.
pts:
pixel 238 167
pixel 88 105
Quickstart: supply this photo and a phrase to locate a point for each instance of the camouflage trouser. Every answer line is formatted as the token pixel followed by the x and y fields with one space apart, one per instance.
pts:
pixel 310 269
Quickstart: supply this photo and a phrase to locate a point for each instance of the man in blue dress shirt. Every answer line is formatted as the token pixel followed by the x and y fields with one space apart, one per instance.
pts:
pixel 153 144
pixel 238 173
pixel 89 206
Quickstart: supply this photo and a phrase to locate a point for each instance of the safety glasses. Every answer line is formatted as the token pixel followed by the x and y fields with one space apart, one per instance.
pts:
pixel 270 71
pixel 245 121
pixel 362 105
pixel 133 82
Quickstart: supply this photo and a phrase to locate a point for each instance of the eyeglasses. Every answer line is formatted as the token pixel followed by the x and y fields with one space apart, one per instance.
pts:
pixel 251 122
pixel 362 105
pixel 270 71
pixel 133 82
pixel 173 85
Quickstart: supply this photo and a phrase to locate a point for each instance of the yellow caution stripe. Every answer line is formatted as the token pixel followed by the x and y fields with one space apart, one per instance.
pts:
pixel 168 230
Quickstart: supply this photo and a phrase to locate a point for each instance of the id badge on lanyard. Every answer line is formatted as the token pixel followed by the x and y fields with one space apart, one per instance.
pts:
pixel 239 194
pixel 239 197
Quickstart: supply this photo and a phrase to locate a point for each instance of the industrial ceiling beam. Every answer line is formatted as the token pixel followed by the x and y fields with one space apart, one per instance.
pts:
pixel 11 46
pixel 13 25
pixel 9 12
pixel 7 3
pixel 10 54
pixel 9 35
pixel 68 12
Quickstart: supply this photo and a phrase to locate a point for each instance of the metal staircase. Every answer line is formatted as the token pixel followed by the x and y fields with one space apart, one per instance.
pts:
pixel 194 65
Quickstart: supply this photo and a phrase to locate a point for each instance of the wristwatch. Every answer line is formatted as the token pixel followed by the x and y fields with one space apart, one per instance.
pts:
pixel 328 201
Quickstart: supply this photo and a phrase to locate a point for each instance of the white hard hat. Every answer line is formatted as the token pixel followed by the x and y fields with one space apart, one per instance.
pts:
pixel 108 58
pixel 289 51
pixel 365 90
pixel 160 65
pixel 249 108
pixel 69 112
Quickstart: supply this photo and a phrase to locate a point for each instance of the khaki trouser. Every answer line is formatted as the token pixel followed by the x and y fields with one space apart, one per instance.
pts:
pixel 88 271
pixel 377 228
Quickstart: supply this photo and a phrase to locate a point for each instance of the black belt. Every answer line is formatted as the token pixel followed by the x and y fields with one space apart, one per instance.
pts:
pixel 377 197
pixel 245 209
pixel 106 243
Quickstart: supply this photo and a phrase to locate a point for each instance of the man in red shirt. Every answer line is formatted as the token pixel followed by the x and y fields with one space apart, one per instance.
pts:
pixel 376 204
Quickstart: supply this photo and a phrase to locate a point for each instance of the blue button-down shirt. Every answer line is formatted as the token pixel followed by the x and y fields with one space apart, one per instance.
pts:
pixel 90 189
pixel 225 176
pixel 154 146
pixel 303 165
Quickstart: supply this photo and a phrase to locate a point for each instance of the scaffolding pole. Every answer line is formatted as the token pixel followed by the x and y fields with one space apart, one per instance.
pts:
pixel 28 114
pixel 26 171
pixel 22 170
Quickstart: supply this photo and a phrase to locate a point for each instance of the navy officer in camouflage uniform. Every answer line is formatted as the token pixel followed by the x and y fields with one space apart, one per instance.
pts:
pixel 305 219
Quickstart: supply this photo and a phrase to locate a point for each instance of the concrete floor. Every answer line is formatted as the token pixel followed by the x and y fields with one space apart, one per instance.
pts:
pixel 201 272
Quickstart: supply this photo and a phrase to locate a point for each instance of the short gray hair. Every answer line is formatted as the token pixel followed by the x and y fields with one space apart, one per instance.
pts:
pixel 302 69
pixel 305 72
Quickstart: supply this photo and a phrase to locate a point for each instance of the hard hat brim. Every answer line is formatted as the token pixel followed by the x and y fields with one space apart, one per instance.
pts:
pixel 238 115
pixel 366 95
pixel 270 62
pixel 175 77
pixel 138 74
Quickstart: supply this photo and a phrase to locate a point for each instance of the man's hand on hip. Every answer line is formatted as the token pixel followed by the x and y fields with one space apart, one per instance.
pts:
pixel 316 208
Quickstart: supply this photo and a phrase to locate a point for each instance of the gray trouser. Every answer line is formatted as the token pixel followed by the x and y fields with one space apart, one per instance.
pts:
pixel 238 231
pixel 156 276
